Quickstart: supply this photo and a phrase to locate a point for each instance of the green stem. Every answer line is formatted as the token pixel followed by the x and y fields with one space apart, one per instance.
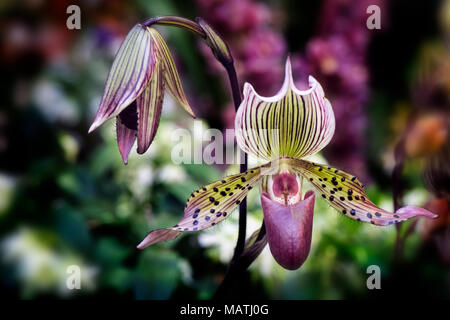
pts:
pixel 223 55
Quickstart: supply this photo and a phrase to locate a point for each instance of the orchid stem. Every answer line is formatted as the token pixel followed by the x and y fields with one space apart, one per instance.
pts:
pixel 236 93
pixel 223 55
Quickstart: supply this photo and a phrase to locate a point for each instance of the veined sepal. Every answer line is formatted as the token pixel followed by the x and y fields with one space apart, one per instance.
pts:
pixel 293 123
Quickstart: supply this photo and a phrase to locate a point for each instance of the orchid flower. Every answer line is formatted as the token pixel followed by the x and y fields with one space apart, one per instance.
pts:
pixel 142 70
pixel 282 130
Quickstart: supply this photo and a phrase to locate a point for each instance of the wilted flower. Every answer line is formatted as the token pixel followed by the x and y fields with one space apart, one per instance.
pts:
pixel 283 129
pixel 141 72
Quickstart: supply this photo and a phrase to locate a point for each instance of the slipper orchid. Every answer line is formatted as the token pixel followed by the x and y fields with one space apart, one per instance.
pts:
pixel 282 130
pixel 142 70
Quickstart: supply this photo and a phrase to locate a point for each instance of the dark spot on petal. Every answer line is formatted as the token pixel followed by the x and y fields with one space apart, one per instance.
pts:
pixel 342 198
pixel 195 215
pixel 325 179
pixel 242 179
pixel 249 187
pixel 223 193
pixel 238 201
pixel 323 186
pixel 223 181
pixel 216 203
pixel 352 212
pixel 224 214
pixel 332 192
pixel 218 214
pixel 186 229
pixel 204 189
pixel 369 215
pixel 334 182
pixel 215 189
pixel 357 197
pixel 342 179
pixel 350 198
pixel 231 193
pixel 324 196
pixel 378 214
pixel 331 198
pixel 212 210
pixel 320 169
pixel 211 199
pixel 195 222
pixel 311 179
pixel 344 211
pixel 227 189
pixel 207 218
pixel 350 191
pixel 354 178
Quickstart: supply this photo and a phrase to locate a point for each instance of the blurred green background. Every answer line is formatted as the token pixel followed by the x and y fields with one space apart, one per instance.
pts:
pixel 67 199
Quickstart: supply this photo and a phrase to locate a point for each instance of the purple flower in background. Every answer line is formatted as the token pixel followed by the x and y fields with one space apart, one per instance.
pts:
pixel 255 48
pixel 337 57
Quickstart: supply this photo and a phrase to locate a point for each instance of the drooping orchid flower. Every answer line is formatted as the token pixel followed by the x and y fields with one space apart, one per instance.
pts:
pixel 142 70
pixel 282 130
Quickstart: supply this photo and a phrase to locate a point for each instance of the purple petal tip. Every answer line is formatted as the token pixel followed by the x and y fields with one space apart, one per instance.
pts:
pixel 413 211
pixel 158 236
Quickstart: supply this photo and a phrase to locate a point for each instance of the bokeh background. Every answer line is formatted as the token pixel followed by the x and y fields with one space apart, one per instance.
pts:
pixel 66 198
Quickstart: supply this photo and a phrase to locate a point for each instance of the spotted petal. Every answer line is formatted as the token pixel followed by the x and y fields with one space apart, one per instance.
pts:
pixel 172 79
pixel 346 194
pixel 129 74
pixel 211 204
pixel 292 123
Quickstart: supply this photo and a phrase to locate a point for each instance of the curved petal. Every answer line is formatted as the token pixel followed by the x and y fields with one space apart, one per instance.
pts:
pixel 130 73
pixel 125 135
pixel 292 123
pixel 289 229
pixel 346 194
pixel 172 79
pixel 214 202
pixel 149 105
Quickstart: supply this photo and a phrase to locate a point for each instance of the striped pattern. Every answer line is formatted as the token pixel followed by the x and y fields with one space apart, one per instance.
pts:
pixel 175 21
pixel 290 124
pixel 130 73
pixel 346 194
pixel 149 105
pixel 170 73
